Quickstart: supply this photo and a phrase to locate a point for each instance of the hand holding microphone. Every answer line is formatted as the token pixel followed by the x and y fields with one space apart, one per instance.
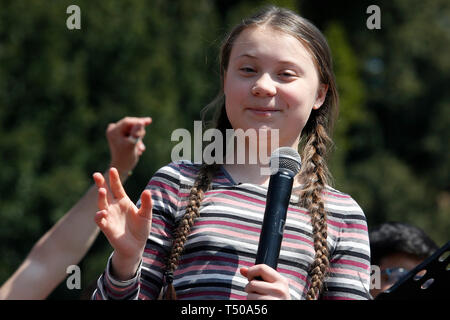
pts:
pixel 285 164
pixel 264 281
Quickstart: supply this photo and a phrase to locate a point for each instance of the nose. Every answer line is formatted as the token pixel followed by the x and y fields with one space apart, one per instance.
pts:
pixel 264 86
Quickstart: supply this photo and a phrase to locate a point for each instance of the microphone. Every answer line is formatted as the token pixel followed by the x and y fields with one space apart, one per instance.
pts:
pixel 285 163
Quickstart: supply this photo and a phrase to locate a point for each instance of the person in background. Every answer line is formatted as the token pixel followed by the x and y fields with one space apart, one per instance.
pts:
pixel 397 248
pixel 70 238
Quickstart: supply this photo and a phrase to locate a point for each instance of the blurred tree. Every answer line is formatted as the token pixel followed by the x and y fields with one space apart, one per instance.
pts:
pixel 404 69
pixel 60 88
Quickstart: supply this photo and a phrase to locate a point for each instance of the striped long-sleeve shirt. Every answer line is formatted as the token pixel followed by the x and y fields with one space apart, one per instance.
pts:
pixel 225 238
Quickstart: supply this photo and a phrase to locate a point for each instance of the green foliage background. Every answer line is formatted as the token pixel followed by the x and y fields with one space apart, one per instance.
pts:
pixel 60 88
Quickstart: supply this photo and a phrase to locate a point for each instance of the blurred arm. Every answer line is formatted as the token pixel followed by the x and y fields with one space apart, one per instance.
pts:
pixel 70 238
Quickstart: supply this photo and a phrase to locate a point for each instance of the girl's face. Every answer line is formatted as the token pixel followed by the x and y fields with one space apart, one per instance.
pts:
pixel 271 83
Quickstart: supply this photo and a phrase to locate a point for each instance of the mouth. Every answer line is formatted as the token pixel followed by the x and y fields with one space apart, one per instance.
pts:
pixel 265 112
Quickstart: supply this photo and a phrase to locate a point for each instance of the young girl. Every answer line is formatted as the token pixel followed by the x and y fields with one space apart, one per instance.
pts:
pixel 196 232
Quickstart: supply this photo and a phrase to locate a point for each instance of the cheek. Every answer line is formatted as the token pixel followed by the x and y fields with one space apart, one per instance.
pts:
pixel 235 97
pixel 301 95
pixel 230 104
pixel 234 91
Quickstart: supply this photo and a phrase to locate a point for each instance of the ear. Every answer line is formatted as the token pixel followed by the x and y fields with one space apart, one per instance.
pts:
pixel 321 95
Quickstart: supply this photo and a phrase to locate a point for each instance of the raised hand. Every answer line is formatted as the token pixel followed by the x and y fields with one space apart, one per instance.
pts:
pixel 125 143
pixel 125 226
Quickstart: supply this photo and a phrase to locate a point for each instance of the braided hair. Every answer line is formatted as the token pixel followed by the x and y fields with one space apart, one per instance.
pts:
pixel 315 176
pixel 315 137
pixel 201 185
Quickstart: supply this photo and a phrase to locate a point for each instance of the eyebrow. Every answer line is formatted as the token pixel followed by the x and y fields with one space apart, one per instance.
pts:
pixel 286 62
pixel 247 56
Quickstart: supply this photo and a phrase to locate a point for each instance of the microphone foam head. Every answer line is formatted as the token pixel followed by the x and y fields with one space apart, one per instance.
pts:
pixel 285 158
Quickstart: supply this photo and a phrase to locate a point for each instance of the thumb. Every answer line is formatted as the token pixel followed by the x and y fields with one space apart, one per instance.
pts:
pixel 137 130
pixel 244 271
pixel 146 205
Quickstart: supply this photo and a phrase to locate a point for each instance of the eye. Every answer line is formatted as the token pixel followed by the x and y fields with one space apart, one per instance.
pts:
pixel 247 70
pixel 287 74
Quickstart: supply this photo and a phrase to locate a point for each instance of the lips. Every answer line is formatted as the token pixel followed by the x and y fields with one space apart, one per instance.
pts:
pixel 263 111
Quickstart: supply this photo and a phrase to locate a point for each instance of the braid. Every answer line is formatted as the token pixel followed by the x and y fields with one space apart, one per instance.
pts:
pixel 315 175
pixel 201 185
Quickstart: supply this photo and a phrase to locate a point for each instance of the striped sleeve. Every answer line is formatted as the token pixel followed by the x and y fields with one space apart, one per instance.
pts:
pixel 146 284
pixel 165 189
pixel 349 273
pixel 109 288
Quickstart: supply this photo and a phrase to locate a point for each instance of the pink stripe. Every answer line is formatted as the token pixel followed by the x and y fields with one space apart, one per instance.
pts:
pixel 157 195
pixel 258 204
pixel 230 224
pixel 152 262
pixel 234 269
pixel 298 216
pixel 110 285
pixel 209 267
pixel 349 201
pixel 292 212
pixel 297 285
pixel 98 295
pixel 291 236
pixel 121 291
pixel 160 231
pixel 333 232
pixel 298 246
pixel 351 263
pixel 223 180
pixel 237 235
pixel 239 196
pixel 162 185
pixel 149 290
pixel 216 258
pixel 347 225
pixel 188 168
pixel 159 222
pixel 295 274
pixel 337 195
pixel 237 203
pixel 303 211
pixel 249 237
pixel 354 235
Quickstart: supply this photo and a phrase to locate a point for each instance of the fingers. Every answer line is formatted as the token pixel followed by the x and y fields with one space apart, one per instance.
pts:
pixel 136 135
pixel 127 121
pixel 116 186
pixel 102 201
pixel 146 205
pixel 137 130
pixel 267 273
pixel 244 271
pixel 99 180
pixel 134 127
pixel 273 285
pixel 128 127
pixel 141 147
pixel 100 219
pixel 257 286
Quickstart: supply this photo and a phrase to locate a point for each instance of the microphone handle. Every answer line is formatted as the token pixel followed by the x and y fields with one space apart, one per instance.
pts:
pixel 278 196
